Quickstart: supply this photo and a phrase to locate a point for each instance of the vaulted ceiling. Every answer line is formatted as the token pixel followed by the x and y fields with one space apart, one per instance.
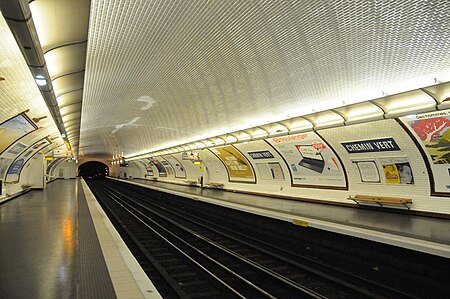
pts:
pixel 160 73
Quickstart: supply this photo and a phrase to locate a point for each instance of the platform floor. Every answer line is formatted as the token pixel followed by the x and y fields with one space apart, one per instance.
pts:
pixel 425 234
pixel 49 248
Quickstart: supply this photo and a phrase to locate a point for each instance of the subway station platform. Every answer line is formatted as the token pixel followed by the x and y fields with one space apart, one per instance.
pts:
pixel 58 243
pixel 420 233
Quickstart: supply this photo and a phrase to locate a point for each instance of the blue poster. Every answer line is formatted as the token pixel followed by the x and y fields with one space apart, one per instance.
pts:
pixel 16 166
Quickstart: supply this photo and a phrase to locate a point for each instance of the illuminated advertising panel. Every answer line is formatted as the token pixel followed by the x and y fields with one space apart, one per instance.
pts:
pixel 310 160
pixel 238 168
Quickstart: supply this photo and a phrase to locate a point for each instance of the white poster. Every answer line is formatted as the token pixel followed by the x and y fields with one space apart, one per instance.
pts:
pixel 432 133
pixel 310 160
pixel 180 172
pixel 368 171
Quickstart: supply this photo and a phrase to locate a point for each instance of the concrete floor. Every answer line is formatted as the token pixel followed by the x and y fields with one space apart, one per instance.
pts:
pixel 49 247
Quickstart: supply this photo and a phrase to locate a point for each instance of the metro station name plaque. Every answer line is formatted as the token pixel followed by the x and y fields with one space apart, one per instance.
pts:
pixel 372 145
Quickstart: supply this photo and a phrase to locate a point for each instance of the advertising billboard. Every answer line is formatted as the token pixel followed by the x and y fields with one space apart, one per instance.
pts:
pixel 311 161
pixel 238 167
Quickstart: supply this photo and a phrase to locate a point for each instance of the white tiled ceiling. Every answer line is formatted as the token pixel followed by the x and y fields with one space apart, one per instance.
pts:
pixel 166 72
pixel 18 91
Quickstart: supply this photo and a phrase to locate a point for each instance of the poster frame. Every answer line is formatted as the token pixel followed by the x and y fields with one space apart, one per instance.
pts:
pixel 175 173
pixel 424 155
pixel 345 188
pixel 372 160
pixel 30 121
pixel 226 168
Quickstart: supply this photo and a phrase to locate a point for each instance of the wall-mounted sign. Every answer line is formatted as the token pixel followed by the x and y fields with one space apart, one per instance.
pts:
pixel 190 156
pixel 371 145
pixel 311 161
pixel 238 167
pixel 261 155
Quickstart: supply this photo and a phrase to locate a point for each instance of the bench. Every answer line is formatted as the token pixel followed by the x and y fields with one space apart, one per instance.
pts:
pixel 191 183
pixel 381 200
pixel 215 185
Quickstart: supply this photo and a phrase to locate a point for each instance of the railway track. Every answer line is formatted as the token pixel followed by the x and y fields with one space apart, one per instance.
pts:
pixel 188 256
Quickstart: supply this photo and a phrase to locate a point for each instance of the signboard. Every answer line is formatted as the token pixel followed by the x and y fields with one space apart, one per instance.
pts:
pixel 432 133
pixel 372 145
pixel 13 129
pixel 261 155
pixel 192 156
pixel 180 172
pixel 238 167
pixel 311 161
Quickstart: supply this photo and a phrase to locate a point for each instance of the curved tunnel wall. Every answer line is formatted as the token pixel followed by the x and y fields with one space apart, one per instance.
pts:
pixel 401 151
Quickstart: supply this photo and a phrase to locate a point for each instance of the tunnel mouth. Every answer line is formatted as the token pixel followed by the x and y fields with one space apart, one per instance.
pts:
pixel 93 170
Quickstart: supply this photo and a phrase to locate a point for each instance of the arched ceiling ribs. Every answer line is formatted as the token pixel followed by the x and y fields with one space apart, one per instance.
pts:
pixel 65 45
pixel 67 74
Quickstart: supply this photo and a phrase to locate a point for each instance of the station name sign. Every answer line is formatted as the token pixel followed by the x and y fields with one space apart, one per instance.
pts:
pixel 261 155
pixel 372 145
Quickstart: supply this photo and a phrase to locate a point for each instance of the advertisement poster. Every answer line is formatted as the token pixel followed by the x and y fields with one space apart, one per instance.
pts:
pixel 368 171
pixel 432 131
pixel 13 129
pixel 15 169
pixel 397 171
pixel 176 165
pixel 161 169
pixel 238 167
pixel 167 166
pixel 310 160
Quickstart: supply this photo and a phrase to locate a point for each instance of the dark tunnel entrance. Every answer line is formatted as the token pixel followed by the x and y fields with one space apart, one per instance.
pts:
pixel 93 170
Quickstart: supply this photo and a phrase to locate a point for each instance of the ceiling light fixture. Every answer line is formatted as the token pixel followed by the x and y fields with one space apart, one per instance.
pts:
pixel 40 80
